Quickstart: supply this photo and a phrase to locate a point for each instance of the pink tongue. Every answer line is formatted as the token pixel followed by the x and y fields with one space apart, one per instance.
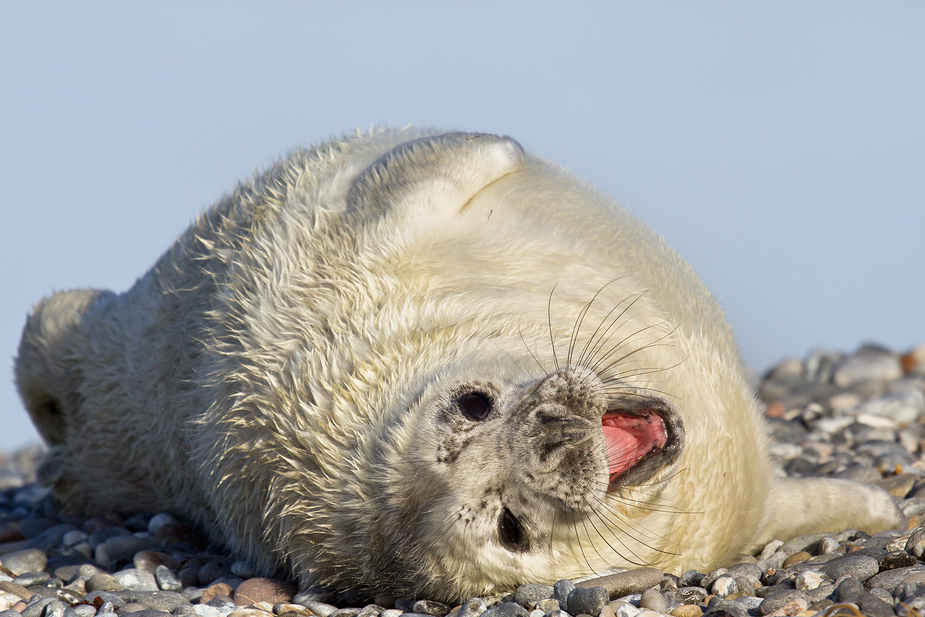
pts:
pixel 629 438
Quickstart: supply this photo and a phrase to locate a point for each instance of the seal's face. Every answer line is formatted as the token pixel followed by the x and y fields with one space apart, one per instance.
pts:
pixel 522 469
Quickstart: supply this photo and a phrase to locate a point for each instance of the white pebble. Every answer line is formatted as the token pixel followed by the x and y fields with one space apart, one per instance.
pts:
pixel 158 521
pixel 809 579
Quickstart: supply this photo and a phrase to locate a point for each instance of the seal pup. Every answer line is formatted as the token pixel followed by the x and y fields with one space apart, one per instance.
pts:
pixel 423 364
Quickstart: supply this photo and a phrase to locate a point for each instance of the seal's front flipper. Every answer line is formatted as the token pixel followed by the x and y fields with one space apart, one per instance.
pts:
pixel 432 177
pixel 53 342
pixel 803 506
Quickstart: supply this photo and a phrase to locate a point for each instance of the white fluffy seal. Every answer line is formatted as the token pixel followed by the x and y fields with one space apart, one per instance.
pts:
pixel 425 364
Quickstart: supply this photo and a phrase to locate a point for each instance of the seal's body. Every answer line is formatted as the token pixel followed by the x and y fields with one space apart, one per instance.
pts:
pixel 420 364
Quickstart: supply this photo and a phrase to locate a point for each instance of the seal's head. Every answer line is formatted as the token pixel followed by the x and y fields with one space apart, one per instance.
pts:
pixel 425 364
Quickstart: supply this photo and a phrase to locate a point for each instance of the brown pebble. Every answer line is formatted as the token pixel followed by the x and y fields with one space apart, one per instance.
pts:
pixel 898 486
pixel 218 589
pixel 625 583
pixel 15 589
pixel 687 610
pixel 607 612
pixel 799 557
pixel 271 590
pixel 149 560
pixel 775 410
pixel 19 607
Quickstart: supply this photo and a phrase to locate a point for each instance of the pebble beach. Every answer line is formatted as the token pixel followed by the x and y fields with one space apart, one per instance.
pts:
pixel 858 415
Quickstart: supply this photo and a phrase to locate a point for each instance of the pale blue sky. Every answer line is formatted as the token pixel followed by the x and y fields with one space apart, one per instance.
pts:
pixel 778 146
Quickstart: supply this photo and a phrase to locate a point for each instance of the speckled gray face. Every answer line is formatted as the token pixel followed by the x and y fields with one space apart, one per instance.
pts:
pixel 537 455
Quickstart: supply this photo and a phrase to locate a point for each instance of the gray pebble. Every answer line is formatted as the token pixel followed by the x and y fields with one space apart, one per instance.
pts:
pixel 626 583
pixel 890 579
pixel 204 610
pixel 508 609
pixel 120 548
pixel 158 600
pixel 392 612
pixel 10 613
pixel 861 567
pixel 474 607
pixel 35 608
pixel 84 610
pixel 28 560
pixel 243 569
pixel 106 614
pixel 557 613
pixel 430 607
pixel 28 579
pixel 654 601
pixel 54 608
pixel 166 579
pixel 561 590
pixel 319 608
pixel 146 613
pixel 102 581
pixel 719 606
pixel 777 599
pixel 107 597
pixel 530 594
pixel 159 521
pixel 587 600
pixel 101 535
pixel 136 580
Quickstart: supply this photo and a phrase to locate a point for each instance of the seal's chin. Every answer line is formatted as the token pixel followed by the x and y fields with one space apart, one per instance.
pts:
pixel 639 443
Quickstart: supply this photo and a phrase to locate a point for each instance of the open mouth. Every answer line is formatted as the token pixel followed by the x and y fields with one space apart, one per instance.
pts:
pixel 639 442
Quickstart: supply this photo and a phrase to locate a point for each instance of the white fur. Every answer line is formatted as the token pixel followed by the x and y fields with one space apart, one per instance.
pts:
pixel 276 375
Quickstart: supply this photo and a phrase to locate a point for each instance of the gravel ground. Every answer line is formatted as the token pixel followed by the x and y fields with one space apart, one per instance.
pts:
pixel 859 416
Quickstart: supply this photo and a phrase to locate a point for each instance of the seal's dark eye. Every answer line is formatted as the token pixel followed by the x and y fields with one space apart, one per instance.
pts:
pixel 475 405
pixel 511 532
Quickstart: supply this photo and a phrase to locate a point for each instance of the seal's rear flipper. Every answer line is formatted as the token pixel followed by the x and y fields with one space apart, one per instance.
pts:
pixel 825 504
pixel 53 342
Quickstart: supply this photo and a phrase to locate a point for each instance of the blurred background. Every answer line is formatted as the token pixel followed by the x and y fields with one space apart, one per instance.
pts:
pixel 779 147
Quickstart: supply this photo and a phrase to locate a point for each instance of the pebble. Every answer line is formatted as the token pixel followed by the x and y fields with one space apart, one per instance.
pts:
pixel 28 560
pixel 625 583
pixel 255 590
pixel 840 415
pixel 587 600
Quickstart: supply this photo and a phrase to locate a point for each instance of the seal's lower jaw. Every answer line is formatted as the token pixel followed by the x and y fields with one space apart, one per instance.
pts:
pixel 639 443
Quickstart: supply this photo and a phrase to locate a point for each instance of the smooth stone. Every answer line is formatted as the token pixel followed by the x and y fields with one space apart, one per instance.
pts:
pixel 625 583
pixel 285 607
pixel 724 586
pixel 136 580
pixel 84 610
pixel 550 604
pixel 213 570
pixel 55 608
pixel 776 600
pixel 28 579
pixel 430 607
pixel 890 579
pixel 475 607
pixel 146 612
pixel 159 521
pixel 157 600
pixel 867 365
pixel 719 606
pixel 687 610
pixel 103 581
pixel 861 567
pixel 508 609
pixel 653 600
pixel 318 608
pixel 35 609
pixel 243 569
pixel 561 589
pixel 587 600
pixel 28 560
pixel 166 579
pixel 51 537
pixel 807 543
pixel 16 590
pixel 271 590
pixel 150 560
pixel 218 589
pixel 100 536
pixel 204 610
pixel 530 594
pixel 249 612
pixel 105 596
